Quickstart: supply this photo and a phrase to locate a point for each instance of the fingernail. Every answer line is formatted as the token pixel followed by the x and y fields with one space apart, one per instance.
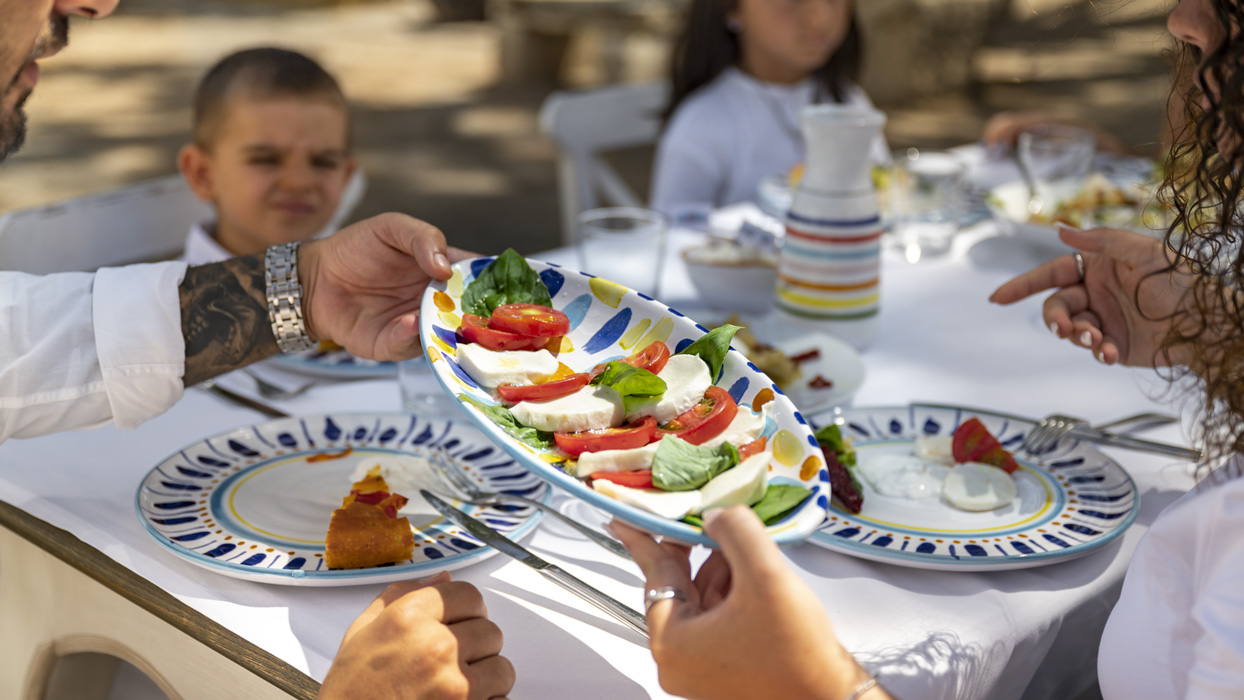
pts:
pixel 710 515
pixel 1054 330
pixel 1100 356
pixel 1086 339
pixel 1069 227
pixel 441 260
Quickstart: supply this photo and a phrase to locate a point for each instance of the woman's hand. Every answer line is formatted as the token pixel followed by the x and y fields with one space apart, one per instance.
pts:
pixel 1101 312
pixel 749 628
pixel 425 640
pixel 362 286
pixel 1002 130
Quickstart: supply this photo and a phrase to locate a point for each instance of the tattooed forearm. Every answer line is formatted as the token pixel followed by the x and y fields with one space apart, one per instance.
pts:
pixel 224 317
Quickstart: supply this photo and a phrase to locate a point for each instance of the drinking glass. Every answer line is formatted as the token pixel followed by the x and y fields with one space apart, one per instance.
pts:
pixel 1054 159
pixel 422 393
pixel 926 199
pixel 624 245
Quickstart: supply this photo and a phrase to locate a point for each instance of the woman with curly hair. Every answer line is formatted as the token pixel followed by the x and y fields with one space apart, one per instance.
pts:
pixel 747 627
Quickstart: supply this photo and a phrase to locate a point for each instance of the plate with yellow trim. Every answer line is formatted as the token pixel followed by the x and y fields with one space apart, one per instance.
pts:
pixel 255 502
pixel 1072 499
pixel 608 322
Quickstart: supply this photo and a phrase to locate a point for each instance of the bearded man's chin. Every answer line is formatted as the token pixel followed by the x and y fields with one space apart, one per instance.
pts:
pixel 12 133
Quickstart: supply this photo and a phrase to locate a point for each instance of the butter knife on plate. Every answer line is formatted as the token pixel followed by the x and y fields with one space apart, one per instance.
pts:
pixel 1101 437
pixel 626 615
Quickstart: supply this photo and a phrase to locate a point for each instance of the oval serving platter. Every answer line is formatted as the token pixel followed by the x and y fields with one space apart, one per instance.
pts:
pixel 1071 501
pixel 609 322
pixel 254 502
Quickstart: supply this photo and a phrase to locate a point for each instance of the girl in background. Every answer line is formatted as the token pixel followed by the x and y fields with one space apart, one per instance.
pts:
pixel 743 70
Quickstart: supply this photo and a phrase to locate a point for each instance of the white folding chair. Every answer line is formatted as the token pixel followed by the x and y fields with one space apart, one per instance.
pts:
pixel 142 222
pixel 139 223
pixel 587 123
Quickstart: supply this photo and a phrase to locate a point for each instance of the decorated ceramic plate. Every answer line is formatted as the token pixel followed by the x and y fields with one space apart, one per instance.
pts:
pixel 1071 501
pixel 609 322
pixel 255 502
pixel 334 364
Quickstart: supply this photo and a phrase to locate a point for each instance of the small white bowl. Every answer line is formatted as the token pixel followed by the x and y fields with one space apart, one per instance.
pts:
pixel 731 284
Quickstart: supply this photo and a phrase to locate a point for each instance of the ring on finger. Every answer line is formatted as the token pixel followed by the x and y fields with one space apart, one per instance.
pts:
pixel 1079 263
pixel 656 595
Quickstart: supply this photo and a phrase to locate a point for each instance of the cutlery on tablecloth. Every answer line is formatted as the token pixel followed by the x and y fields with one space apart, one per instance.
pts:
pixel 245 401
pixel 458 485
pixel 1051 429
pixel 627 616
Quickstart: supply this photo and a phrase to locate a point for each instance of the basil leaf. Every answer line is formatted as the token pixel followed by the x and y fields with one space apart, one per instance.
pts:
pixel 830 438
pixel 635 384
pixel 507 422
pixel 712 348
pixel 507 280
pixel 780 499
pixel 680 466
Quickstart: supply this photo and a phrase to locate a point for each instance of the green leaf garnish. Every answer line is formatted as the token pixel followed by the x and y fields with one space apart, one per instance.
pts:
pixel 507 422
pixel 635 384
pixel 712 348
pixel 507 280
pixel 779 499
pixel 680 466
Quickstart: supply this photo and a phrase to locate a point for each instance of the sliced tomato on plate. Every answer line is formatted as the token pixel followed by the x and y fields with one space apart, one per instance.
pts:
pixel 652 358
pixel 530 320
pixel 475 329
pixel 705 420
pixel 621 438
pixel 635 480
pixel 753 448
pixel 972 442
pixel 548 390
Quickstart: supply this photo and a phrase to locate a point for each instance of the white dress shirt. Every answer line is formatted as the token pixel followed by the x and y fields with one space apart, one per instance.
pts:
pixel 1178 628
pixel 80 350
pixel 728 136
pixel 201 248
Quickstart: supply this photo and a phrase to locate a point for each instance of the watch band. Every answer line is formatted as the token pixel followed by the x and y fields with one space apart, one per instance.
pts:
pixel 284 294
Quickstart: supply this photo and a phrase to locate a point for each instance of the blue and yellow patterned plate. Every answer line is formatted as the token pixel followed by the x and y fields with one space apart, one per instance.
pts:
pixel 1072 500
pixel 609 322
pixel 255 502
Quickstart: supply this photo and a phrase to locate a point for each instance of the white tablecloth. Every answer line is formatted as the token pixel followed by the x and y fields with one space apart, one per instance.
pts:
pixel 1030 633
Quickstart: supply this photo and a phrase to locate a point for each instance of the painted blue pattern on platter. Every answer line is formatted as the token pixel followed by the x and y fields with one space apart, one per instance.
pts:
pixel 1034 531
pixel 224 530
pixel 610 326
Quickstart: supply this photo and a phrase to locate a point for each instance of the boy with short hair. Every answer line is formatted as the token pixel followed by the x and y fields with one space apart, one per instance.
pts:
pixel 271 153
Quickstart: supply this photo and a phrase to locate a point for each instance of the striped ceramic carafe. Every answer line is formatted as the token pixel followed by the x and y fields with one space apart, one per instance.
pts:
pixel 829 271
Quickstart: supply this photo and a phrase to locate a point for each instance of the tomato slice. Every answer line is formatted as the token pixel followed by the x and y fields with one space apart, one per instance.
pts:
pixel 651 358
pixel 625 437
pixel 753 448
pixel 475 329
pixel 530 320
pixel 972 442
pixel 705 420
pixel 635 480
pixel 548 390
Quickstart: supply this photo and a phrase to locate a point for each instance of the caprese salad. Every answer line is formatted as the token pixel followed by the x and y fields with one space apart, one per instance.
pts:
pixel 650 429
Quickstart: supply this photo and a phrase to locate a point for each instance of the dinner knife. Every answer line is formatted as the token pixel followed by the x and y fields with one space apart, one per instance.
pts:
pixel 1101 437
pixel 244 400
pixel 627 616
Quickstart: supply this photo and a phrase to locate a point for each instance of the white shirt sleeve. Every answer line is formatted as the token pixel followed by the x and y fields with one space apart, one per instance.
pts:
pixel 80 350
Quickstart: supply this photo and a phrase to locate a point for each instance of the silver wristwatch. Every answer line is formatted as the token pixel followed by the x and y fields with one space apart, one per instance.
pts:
pixel 280 272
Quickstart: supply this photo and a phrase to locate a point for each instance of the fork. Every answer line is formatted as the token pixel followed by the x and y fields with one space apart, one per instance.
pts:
pixel 459 486
pixel 268 390
pixel 1048 432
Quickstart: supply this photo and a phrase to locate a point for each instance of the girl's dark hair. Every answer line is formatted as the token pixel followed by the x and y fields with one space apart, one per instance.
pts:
pixel 1204 189
pixel 706 47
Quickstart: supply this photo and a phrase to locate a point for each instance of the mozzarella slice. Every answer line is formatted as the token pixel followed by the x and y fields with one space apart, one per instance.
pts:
pixel 686 379
pixel 669 504
pixel 633 459
pixel 935 448
pixel 745 427
pixel 494 368
pixel 589 408
pixel 743 483
pixel 976 486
